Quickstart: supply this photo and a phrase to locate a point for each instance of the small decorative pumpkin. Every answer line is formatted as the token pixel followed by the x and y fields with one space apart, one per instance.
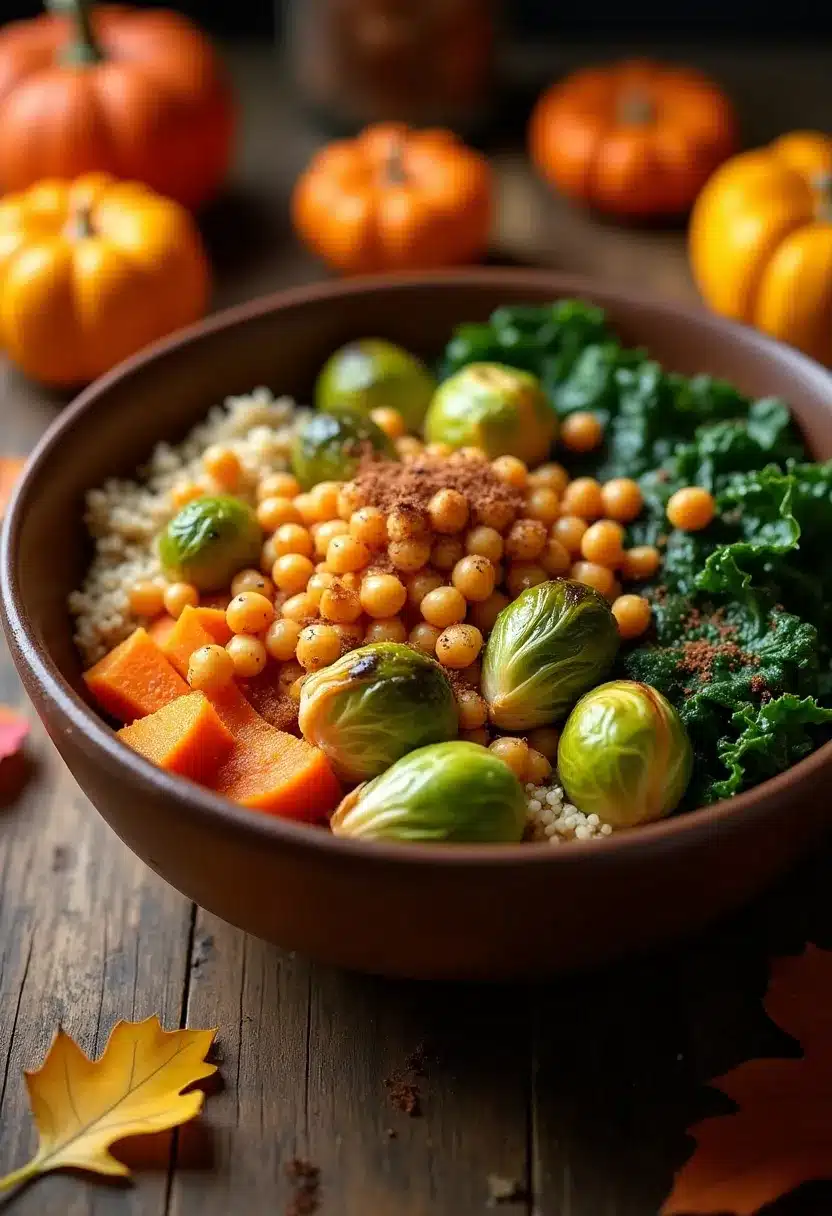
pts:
pixel 761 241
pixel 394 199
pixel 137 94
pixel 91 271
pixel 635 140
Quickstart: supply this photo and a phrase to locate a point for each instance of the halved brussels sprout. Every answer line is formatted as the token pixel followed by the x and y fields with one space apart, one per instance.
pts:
pixel 209 541
pixel 547 647
pixel 374 705
pixel 364 375
pixel 498 408
pixel 624 754
pixel 329 447
pixel 444 793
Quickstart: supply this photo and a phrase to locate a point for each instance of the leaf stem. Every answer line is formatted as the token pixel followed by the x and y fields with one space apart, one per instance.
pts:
pixel 84 47
pixel 18 1177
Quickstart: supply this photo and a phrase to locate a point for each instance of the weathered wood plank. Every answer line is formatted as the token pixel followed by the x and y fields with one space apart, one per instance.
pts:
pixel 306 1052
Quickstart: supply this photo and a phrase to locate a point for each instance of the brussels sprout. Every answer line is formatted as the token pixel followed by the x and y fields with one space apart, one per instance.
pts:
pixel 364 375
pixel 494 407
pixel 329 447
pixel 624 754
pixel 374 705
pixel 547 647
pixel 209 541
pixel 448 792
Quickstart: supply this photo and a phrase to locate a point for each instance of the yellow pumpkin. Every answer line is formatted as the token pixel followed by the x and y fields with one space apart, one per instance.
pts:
pixel 761 241
pixel 91 270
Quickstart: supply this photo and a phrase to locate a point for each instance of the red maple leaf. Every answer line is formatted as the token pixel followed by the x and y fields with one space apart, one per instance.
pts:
pixel 13 730
pixel 10 467
pixel 781 1136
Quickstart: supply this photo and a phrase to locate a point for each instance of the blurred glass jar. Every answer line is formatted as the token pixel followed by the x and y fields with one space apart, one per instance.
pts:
pixel 423 62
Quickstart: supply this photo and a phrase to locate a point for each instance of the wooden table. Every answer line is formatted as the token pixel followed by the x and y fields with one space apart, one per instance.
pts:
pixel 579 1090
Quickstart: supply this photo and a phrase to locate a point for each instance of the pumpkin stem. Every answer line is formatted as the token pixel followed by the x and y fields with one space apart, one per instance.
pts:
pixel 821 183
pixel 636 109
pixel 394 165
pixel 81 227
pixel 83 47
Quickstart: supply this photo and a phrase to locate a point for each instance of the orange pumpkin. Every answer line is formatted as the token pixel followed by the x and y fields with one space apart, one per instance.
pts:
pixel 92 270
pixel 632 139
pixel 394 199
pixel 761 241
pixel 140 95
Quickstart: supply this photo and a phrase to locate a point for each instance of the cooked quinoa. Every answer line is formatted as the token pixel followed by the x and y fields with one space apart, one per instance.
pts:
pixel 124 517
pixel 553 820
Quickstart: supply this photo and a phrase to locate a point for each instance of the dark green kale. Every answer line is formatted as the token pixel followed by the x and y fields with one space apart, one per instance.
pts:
pixel 735 672
pixel 545 339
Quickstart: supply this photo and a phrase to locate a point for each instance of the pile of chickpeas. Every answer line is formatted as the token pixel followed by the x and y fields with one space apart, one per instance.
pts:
pixel 449 571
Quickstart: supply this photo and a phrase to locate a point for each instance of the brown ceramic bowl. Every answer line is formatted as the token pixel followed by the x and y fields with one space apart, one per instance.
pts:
pixel 490 912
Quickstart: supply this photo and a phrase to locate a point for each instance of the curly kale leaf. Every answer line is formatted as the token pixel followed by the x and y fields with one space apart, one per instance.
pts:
pixel 545 339
pixel 760 654
pixel 772 738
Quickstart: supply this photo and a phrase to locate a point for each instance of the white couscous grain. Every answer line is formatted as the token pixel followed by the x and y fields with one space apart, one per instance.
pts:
pixel 550 819
pixel 124 518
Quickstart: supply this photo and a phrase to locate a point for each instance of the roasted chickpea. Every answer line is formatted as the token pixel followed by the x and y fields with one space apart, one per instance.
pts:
pixel 340 604
pixel 210 668
pixel 146 598
pixel 446 552
pixel 318 646
pixel 545 740
pixel 409 555
pixel 277 485
pixel 407 522
pixel 543 504
pixel 513 752
pixel 641 562
pixel 443 607
pixel 409 448
pixel 552 476
pixel 345 554
pixel 522 575
pixel 448 511
pixel 555 559
pixel 323 533
pixel 691 509
pixel 424 637
pixel 392 629
pixel 569 530
pixel 418 585
pixel 622 499
pixel 382 595
pixel 292 538
pixel 248 655
pixel 581 432
pixel 292 572
pixel 474 577
pixel 370 527
pixel 179 596
pixel 472 709
pixel 603 543
pixel 272 512
pixel 582 497
pixel 538 768
pixel 249 612
pixel 632 614
pixel 593 575
pixel 484 614
pixel 282 638
pixel 526 540
pixel 511 470
pixel 301 608
pixel 485 542
pixel 390 421
pixel 252 580
pixel 459 646
pixel 223 465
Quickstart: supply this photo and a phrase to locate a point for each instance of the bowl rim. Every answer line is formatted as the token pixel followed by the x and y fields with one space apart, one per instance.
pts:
pixel 100 741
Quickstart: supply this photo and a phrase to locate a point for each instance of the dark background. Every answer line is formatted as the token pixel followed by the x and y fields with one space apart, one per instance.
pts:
pixel 636 20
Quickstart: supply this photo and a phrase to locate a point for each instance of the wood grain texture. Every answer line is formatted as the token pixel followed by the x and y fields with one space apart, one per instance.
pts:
pixel 580 1090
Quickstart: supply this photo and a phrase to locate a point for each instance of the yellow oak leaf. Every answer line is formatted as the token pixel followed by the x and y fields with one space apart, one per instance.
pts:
pixel 82 1106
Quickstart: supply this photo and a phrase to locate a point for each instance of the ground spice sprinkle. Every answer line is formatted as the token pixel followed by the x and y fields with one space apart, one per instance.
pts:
pixel 387 484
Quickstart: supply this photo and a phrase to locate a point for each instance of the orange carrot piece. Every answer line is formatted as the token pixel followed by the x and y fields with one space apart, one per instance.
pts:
pixel 278 773
pixel 134 679
pixel 270 770
pixel 161 628
pixel 185 737
pixel 196 627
